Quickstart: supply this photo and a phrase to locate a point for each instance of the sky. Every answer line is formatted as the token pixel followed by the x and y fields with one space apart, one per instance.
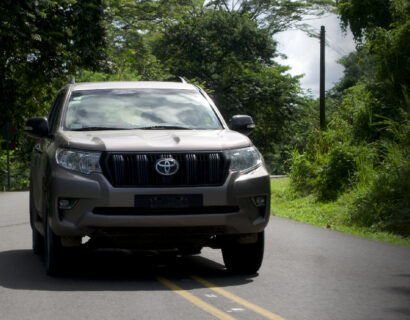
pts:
pixel 303 52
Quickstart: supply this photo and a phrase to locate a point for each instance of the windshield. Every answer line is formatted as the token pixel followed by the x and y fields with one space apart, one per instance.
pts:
pixel 126 109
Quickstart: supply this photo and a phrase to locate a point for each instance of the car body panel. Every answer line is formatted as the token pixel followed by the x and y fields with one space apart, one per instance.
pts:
pixel 95 191
pixel 153 140
pixel 51 182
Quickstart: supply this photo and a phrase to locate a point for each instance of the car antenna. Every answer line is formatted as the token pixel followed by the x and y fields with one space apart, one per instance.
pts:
pixel 182 80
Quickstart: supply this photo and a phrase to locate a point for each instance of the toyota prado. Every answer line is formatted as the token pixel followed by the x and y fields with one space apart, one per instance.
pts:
pixel 146 165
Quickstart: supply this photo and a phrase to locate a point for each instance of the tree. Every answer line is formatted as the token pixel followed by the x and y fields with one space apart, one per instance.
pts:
pixel 275 15
pixel 42 43
pixel 233 58
pixel 384 29
pixel 357 65
pixel 130 28
pixel 362 16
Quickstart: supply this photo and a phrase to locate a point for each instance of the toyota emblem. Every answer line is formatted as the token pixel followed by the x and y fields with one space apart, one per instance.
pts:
pixel 167 166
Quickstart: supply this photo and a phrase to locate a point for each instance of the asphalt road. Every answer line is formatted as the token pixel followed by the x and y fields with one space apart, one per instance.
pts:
pixel 308 273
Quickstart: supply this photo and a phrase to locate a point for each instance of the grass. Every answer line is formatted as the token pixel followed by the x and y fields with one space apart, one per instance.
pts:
pixel 329 215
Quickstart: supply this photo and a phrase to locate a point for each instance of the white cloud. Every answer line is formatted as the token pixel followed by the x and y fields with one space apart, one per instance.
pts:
pixel 303 52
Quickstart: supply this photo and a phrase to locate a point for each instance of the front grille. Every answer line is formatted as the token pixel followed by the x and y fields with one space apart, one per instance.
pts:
pixel 138 169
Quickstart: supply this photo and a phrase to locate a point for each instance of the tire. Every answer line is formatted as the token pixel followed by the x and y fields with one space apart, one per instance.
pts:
pixel 243 258
pixel 37 238
pixel 38 242
pixel 53 251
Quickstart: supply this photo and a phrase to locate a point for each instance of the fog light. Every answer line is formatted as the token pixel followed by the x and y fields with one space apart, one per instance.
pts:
pixel 66 204
pixel 259 201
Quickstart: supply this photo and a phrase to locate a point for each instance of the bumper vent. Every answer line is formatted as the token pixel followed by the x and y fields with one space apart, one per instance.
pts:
pixel 138 169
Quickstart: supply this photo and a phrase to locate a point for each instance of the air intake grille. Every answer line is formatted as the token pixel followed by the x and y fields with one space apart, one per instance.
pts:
pixel 138 169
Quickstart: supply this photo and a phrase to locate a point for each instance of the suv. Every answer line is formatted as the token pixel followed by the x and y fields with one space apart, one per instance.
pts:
pixel 146 165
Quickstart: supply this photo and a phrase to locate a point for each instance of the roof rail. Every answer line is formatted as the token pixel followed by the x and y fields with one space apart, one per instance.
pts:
pixel 182 80
pixel 72 81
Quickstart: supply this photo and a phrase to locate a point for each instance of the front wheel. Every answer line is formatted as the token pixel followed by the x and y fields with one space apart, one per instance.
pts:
pixel 38 242
pixel 243 258
pixel 52 251
pixel 37 238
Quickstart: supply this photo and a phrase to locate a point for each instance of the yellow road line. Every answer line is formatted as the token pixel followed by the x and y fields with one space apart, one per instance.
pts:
pixel 196 301
pixel 267 314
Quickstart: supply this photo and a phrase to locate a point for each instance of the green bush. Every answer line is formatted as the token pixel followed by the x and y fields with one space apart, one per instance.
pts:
pixel 303 173
pixel 325 166
pixel 334 175
pixel 382 201
pixel 19 172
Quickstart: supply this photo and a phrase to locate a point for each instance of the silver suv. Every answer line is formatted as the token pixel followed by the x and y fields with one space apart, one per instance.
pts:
pixel 146 165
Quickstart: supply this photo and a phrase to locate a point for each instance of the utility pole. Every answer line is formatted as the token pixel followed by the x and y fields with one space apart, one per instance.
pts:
pixel 322 79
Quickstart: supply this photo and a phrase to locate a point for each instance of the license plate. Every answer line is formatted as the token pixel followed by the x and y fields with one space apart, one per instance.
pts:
pixel 168 201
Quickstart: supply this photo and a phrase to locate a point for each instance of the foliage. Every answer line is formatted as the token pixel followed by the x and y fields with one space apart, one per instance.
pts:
pixel 333 215
pixel 364 15
pixel 35 57
pixel 130 27
pixel 364 153
pixel 381 199
pixel 391 54
pixel 357 65
pixel 275 15
pixel 42 43
pixel 128 17
pixel 213 39
pixel 325 168
pixel 334 175
pixel 233 58
pixel 18 172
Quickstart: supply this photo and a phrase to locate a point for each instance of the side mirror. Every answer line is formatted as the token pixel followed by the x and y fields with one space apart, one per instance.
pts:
pixel 36 127
pixel 242 124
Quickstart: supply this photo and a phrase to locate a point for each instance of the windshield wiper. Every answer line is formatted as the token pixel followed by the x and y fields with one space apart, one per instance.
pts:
pixel 99 128
pixel 162 127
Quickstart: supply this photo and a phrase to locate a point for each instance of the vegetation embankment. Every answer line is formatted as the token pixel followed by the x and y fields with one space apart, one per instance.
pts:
pixel 364 155
pixel 329 215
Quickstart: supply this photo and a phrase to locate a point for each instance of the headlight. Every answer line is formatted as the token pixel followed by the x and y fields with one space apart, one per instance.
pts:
pixel 82 161
pixel 244 159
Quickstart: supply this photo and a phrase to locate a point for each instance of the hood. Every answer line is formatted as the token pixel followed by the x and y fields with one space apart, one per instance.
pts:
pixel 153 140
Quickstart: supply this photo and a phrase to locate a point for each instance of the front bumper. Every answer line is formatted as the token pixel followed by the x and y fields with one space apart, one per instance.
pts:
pixel 94 191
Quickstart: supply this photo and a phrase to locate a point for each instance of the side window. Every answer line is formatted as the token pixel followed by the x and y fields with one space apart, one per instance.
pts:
pixel 54 111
